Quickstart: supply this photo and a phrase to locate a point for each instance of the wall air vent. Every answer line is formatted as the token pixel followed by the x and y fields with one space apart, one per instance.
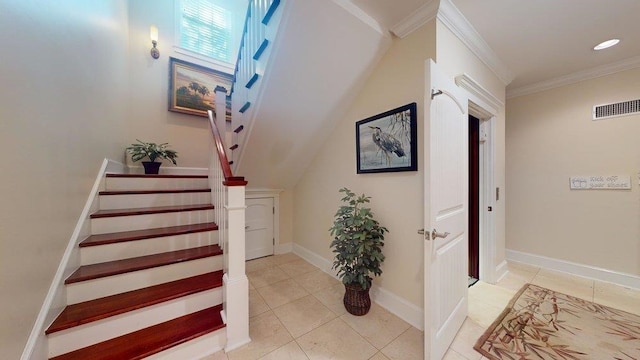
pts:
pixel 624 108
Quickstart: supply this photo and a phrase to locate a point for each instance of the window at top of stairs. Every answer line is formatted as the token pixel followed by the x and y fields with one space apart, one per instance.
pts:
pixel 210 30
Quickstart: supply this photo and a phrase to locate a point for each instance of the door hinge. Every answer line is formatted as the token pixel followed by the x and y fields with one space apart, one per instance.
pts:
pixel 274 241
pixel 273 210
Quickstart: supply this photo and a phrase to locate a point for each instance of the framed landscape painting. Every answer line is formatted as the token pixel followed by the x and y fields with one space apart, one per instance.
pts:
pixel 192 87
pixel 387 142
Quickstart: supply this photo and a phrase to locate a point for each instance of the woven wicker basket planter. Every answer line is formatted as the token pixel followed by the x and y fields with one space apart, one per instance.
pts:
pixel 356 300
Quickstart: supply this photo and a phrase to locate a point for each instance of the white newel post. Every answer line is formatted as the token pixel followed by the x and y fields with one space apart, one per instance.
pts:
pixel 236 283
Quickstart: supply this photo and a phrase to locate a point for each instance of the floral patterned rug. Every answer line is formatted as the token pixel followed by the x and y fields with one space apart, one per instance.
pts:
pixel 542 324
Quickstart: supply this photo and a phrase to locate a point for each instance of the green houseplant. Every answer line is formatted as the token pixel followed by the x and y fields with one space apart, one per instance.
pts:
pixel 357 243
pixel 152 151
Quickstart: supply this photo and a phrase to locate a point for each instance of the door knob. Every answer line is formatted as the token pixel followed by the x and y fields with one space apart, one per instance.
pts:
pixel 435 234
pixel 421 231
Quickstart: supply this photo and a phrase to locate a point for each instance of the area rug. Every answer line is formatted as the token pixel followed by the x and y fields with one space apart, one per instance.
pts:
pixel 542 324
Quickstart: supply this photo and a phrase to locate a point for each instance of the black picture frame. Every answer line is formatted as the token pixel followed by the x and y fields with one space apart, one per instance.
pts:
pixel 387 142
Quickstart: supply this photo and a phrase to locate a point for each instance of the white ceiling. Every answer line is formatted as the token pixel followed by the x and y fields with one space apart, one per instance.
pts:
pixel 540 40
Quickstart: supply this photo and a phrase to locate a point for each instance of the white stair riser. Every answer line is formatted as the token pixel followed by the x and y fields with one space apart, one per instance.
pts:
pixel 129 249
pixel 140 222
pixel 110 285
pixel 108 202
pixel 117 183
pixel 196 349
pixel 88 334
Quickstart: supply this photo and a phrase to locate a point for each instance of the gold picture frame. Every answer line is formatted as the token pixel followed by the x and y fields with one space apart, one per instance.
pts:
pixel 192 87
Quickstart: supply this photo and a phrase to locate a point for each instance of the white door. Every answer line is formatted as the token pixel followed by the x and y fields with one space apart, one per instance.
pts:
pixel 446 188
pixel 259 228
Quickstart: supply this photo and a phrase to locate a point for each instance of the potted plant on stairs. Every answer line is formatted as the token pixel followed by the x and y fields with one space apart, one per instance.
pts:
pixel 152 151
pixel 357 243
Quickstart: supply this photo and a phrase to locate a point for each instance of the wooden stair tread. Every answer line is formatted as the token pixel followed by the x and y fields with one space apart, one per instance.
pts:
pixel 157 176
pixel 152 340
pixel 93 310
pixel 145 192
pixel 95 271
pixel 112 238
pixel 149 210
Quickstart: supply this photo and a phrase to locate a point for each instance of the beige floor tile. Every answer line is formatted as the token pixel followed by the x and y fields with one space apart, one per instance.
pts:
pixel 528 272
pixel 267 334
pixel 513 281
pixel 297 267
pixel 565 283
pixel 266 277
pixel 281 293
pixel 332 297
pixel 291 351
pixel 303 315
pixel 452 355
pixel 316 280
pixel 257 305
pixel 379 327
pixel 617 297
pixel 379 356
pixel 408 346
pixel 491 294
pixel 263 263
pixel 285 258
pixel 335 340
pixel 466 338
pixel 220 355
pixel 483 313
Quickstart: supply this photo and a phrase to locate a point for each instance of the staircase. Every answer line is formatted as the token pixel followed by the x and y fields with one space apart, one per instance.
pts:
pixel 150 280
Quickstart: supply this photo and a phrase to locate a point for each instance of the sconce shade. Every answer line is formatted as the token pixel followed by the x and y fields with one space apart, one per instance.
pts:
pixel 153 33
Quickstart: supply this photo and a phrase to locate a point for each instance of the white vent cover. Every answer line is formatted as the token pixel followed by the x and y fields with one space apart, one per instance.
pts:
pixel 624 108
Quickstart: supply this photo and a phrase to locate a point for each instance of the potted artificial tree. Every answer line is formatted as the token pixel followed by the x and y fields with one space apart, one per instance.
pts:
pixel 357 243
pixel 152 151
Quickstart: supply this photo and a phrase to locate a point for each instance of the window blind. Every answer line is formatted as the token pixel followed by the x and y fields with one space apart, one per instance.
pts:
pixel 205 28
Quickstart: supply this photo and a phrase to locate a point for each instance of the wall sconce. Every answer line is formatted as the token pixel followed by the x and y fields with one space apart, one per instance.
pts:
pixel 155 53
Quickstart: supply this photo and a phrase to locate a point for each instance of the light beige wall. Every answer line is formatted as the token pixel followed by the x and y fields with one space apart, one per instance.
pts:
pixel 286 217
pixel 63 86
pixel 149 119
pixel 550 137
pixel 397 198
pixel 456 59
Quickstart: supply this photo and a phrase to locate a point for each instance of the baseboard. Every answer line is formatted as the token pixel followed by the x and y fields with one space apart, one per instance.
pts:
pixel 171 170
pixel 55 301
pixel 283 248
pixel 586 271
pixel 501 270
pixel 398 306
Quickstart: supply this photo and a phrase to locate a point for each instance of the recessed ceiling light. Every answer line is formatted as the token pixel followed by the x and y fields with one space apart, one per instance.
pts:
pixel 606 44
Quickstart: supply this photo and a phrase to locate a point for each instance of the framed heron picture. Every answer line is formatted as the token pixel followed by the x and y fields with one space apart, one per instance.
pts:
pixel 387 142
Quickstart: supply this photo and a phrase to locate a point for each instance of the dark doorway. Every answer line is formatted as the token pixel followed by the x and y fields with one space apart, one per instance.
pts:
pixel 474 197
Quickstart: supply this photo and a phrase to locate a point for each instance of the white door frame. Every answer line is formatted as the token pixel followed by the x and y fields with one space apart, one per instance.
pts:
pixel 484 106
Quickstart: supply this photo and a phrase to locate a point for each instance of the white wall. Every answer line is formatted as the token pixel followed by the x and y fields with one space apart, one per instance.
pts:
pixel 397 198
pixel 63 96
pixel 149 119
pixel 550 137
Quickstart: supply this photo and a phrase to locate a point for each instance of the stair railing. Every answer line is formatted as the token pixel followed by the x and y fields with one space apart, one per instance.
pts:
pixel 260 29
pixel 228 197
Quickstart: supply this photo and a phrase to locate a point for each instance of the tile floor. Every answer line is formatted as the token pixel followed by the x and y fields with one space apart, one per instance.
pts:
pixel 296 312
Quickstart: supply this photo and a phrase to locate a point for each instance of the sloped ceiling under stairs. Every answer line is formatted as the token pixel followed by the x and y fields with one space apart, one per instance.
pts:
pixel 322 56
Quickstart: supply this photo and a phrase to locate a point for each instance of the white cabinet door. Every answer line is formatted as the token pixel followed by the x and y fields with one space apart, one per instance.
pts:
pixel 259 228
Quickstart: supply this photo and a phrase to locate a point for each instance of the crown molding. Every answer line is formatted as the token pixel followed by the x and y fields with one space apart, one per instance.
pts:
pixel 354 10
pixel 421 16
pixel 486 99
pixel 453 19
pixel 575 77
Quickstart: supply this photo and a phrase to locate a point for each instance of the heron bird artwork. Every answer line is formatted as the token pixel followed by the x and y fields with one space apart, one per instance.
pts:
pixel 387 143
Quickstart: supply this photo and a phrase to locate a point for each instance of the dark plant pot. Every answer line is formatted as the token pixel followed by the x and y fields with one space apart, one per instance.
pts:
pixel 356 300
pixel 151 167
